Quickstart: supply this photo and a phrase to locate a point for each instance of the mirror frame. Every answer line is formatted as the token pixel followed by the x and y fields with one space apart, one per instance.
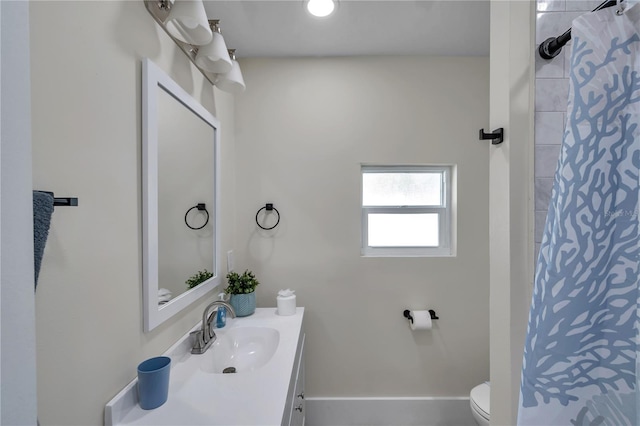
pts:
pixel 154 79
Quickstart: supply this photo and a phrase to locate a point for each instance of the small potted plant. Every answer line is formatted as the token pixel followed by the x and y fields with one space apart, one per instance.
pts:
pixel 242 288
pixel 198 278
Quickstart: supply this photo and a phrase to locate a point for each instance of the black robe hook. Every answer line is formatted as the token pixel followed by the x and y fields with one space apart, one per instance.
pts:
pixel 496 137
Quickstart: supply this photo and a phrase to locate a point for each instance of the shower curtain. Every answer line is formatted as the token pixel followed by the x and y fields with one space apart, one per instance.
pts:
pixel 580 357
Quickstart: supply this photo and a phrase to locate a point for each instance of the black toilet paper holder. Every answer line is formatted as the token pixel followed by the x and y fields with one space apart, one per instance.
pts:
pixel 407 315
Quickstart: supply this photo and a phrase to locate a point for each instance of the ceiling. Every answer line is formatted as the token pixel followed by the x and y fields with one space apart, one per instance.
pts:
pixel 277 28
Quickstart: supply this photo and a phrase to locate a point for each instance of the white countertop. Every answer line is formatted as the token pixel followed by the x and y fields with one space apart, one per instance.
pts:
pixel 196 397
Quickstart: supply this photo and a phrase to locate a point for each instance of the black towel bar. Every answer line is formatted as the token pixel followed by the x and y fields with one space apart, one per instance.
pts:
pixel 66 201
pixel 62 201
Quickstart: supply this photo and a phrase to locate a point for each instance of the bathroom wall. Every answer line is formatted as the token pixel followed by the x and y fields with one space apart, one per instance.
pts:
pixel 554 17
pixel 511 199
pixel 17 309
pixel 86 98
pixel 303 128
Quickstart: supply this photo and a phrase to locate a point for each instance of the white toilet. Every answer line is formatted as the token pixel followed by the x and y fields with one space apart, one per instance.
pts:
pixel 479 401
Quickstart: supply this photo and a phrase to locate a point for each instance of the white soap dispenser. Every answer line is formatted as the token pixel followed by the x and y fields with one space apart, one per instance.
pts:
pixel 221 316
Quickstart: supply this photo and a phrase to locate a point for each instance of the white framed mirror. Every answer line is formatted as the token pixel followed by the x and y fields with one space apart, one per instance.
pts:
pixel 180 170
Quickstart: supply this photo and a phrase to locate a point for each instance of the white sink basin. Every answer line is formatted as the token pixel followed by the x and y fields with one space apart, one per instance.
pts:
pixel 243 348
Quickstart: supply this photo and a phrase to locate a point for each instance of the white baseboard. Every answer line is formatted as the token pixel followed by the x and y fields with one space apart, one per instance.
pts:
pixel 388 412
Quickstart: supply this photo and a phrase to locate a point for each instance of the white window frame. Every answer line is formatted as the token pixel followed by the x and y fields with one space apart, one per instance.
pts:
pixel 444 211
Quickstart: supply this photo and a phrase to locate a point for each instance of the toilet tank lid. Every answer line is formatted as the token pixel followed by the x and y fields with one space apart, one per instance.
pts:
pixel 481 395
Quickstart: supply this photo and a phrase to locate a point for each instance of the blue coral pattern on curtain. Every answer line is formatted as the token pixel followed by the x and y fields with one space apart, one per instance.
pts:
pixel 580 356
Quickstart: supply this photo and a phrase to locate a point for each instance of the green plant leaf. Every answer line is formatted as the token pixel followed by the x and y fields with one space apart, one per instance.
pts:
pixel 241 284
pixel 198 278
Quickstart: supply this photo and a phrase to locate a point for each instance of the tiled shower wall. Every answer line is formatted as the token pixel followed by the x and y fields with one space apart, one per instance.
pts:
pixel 551 90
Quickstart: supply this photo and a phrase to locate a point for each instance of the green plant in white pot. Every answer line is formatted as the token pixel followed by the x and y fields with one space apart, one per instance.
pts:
pixel 242 289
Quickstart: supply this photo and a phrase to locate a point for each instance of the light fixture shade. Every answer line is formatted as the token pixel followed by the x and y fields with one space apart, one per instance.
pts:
pixel 187 22
pixel 320 8
pixel 232 81
pixel 214 56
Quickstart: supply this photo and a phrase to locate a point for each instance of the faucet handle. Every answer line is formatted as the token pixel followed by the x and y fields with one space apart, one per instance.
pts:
pixel 198 344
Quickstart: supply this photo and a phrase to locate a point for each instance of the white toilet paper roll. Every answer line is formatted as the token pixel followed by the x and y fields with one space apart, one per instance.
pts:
pixel 421 320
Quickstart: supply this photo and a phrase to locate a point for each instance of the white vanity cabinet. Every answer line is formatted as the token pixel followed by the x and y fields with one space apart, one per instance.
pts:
pixel 273 391
pixel 294 411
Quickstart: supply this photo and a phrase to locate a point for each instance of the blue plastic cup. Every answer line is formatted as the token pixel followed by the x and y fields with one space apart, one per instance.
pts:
pixel 153 382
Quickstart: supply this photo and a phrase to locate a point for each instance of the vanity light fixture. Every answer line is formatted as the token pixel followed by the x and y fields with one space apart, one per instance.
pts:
pixel 203 56
pixel 232 81
pixel 321 8
pixel 214 57
pixel 187 21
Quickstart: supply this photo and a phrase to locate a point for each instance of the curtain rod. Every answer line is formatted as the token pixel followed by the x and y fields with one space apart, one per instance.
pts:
pixel 551 47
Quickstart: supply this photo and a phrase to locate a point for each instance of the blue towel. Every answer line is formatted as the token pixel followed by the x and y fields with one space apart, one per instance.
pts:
pixel 42 210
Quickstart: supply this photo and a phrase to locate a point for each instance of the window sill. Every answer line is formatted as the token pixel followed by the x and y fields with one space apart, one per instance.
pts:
pixel 407 255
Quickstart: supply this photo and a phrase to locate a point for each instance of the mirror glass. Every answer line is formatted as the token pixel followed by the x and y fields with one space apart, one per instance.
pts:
pixel 180 203
pixel 185 179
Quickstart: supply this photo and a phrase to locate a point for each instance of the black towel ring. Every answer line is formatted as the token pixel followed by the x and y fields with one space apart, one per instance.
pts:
pixel 268 207
pixel 200 207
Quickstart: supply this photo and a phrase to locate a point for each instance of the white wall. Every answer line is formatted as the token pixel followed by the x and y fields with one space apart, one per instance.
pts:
pixel 511 183
pixel 17 318
pixel 303 128
pixel 86 86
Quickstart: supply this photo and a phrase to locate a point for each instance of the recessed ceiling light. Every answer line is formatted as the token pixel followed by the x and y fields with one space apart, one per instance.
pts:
pixel 320 8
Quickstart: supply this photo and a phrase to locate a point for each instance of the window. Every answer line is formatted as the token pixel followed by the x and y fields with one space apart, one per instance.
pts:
pixel 406 210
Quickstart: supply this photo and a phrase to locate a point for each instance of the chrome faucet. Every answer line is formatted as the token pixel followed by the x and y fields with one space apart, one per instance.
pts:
pixel 206 336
